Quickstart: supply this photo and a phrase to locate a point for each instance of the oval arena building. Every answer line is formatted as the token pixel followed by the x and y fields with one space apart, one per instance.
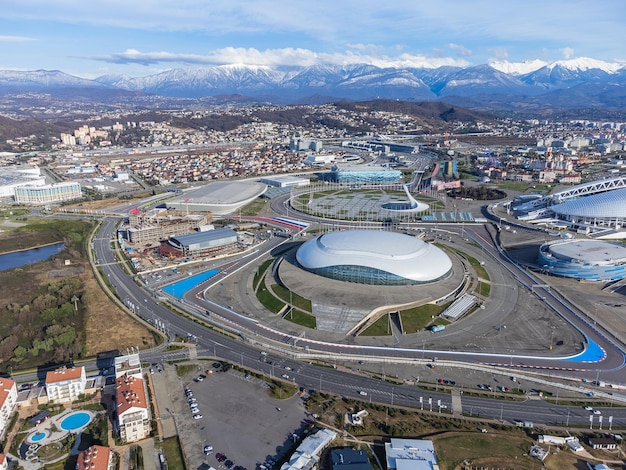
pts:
pixel 374 257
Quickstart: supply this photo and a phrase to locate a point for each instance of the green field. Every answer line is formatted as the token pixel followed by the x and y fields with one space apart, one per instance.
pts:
pixel 380 327
pixel 415 319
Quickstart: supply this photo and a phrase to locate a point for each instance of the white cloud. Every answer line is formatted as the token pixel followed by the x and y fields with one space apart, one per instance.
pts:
pixel 568 53
pixel 278 57
pixel 461 50
pixel 500 53
pixel 15 39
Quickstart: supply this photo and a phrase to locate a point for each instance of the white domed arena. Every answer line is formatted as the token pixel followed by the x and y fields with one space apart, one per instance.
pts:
pixel 374 257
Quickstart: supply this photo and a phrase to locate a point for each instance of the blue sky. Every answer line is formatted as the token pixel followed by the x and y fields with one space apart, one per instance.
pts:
pixel 90 38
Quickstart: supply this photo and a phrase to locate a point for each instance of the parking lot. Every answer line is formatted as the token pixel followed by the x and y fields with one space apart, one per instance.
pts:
pixel 239 419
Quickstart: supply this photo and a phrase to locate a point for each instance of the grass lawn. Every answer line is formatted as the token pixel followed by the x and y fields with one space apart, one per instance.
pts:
pixel 261 272
pixel 493 450
pixel 268 300
pixel 173 454
pixel 415 319
pixel 301 318
pixel 380 327
pixel 295 299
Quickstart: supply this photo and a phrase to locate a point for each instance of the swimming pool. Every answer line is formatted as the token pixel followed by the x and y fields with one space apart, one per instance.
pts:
pixel 38 436
pixel 75 420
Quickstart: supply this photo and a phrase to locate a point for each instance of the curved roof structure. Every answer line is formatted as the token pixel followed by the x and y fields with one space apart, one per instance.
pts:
pixel 601 205
pixel 374 257
pixel 219 197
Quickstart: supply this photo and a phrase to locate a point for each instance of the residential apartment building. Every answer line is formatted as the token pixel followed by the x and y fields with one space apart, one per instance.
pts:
pixel 133 410
pixel 95 458
pixel 8 404
pixel 65 384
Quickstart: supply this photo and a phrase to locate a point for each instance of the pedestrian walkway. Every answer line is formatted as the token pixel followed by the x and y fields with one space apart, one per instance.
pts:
pixel 457 407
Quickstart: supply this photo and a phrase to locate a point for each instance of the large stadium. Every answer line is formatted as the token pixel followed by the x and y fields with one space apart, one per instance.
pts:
pixel 374 257
pixel 353 277
pixel 597 208
pixel 591 260
pixel 219 198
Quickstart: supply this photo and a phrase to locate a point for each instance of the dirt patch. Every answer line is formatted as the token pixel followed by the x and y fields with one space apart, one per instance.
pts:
pixel 109 327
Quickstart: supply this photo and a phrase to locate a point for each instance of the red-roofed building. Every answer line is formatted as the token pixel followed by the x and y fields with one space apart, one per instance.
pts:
pixel 4 462
pixel 133 411
pixel 95 458
pixel 8 403
pixel 65 384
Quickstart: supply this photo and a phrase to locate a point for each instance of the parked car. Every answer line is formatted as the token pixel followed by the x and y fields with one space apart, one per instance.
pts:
pixel 208 450
pixel 197 416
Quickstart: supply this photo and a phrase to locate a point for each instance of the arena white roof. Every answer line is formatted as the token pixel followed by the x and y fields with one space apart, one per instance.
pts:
pixel 220 197
pixel 610 204
pixel 396 253
pixel 596 252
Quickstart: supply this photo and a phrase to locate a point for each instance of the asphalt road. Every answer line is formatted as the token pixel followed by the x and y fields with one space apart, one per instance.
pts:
pixel 309 376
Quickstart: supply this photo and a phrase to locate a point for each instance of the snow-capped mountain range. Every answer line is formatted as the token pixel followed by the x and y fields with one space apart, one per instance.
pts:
pixel 588 79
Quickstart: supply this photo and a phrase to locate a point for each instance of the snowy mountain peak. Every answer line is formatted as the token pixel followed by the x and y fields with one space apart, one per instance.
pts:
pixel 583 64
pixel 517 68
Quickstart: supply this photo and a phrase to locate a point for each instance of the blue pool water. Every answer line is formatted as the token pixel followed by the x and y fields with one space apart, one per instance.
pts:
pixel 38 436
pixel 178 289
pixel 75 421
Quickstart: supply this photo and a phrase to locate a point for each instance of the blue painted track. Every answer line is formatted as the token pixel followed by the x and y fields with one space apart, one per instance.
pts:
pixel 593 353
pixel 178 289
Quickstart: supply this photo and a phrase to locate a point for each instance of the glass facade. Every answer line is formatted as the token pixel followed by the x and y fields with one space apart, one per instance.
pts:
pixel 367 275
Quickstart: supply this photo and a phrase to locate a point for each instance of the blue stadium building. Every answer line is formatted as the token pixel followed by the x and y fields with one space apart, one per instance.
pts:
pixel 591 260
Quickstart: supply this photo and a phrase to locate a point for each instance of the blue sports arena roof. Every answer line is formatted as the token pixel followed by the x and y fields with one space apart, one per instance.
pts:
pixel 610 204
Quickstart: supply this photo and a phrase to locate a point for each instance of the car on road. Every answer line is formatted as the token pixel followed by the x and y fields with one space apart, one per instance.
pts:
pixel 285 376
pixel 597 412
pixel 207 450
pixel 588 408
pixel 287 368
pixel 363 393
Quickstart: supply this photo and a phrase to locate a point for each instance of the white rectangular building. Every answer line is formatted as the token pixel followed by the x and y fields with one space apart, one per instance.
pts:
pixel 65 384
pixel 47 194
pixel 8 403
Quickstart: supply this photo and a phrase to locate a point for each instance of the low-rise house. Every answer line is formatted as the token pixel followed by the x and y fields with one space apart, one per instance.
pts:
pixel 95 458
pixel 4 462
pixel 414 454
pixel 8 403
pixel 133 411
pixel 602 442
pixel 349 459
pixel 65 384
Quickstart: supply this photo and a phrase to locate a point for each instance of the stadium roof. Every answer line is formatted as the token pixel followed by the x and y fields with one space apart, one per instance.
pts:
pixel 589 251
pixel 602 205
pixel 203 237
pixel 403 255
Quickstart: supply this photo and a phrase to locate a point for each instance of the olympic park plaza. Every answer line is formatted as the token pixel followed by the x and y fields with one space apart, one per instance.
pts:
pixel 353 277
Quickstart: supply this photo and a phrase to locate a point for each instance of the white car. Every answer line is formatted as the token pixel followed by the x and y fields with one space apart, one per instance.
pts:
pixel 588 408
pixel 597 412
pixel 285 376
pixel 361 392
pixel 197 416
